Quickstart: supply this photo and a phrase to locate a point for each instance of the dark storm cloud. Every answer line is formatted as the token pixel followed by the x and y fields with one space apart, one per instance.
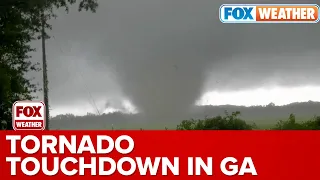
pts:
pixel 161 52
pixel 73 78
pixel 253 71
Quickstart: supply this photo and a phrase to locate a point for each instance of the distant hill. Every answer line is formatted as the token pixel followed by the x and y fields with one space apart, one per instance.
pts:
pixel 261 115
pixel 269 112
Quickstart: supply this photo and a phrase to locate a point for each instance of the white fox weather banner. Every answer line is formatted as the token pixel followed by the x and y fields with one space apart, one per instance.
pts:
pixel 269 13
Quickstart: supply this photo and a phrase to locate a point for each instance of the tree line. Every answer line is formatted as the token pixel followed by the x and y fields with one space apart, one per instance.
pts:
pixel 233 122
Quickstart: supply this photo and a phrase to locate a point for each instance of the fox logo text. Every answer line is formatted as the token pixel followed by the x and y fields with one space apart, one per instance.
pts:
pixel 28 115
pixel 269 13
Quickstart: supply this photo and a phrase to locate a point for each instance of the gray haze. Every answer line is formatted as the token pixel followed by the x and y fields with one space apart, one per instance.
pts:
pixel 163 55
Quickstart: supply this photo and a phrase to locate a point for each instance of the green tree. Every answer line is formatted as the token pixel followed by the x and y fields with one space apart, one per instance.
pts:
pixel 292 124
pixel 313 124
pixel 20 23
pixel 227 122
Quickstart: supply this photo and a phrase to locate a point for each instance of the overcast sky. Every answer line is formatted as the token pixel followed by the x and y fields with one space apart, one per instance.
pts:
pixel 163 55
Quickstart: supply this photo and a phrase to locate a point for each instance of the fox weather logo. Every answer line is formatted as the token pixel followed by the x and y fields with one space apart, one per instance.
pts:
pixel 269 13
